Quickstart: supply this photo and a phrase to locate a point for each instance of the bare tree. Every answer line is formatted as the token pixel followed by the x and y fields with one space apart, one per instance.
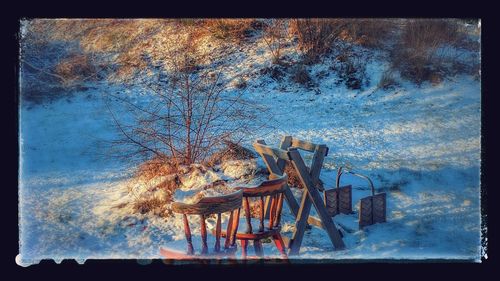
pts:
pixel 191 111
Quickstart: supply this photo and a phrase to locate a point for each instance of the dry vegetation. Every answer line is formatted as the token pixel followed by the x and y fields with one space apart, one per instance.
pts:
pixel 231 151
pixel 316 37
pixel 417 55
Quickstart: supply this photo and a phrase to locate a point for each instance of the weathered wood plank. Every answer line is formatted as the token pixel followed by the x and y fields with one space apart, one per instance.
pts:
pixel 217 233
pixel 317 164
pixel 300 224
pixel 261 214
pixel 268 160
pixel 379 207
pixel 229 228
pixel 304 145
pixel 204 247
pixel 246 206
pixel 275 152
pixel 315 221
pixel 285 143
pixel 187 233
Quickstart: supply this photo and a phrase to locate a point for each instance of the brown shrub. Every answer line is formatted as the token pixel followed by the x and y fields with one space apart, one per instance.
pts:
pixel 368 32
pixel 387 80
pixel 157 166
pixel 75 67
pixel 232 29
pixel 300 75
pixel 155 205
pixel 416 56
pixel 316 36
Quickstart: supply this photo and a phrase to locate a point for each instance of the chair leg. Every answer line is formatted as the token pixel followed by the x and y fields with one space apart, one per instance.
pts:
pixel 280 245
pixel 244 245
pixel 258 248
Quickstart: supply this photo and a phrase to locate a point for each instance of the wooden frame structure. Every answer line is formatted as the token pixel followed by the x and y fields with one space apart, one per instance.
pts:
pixel 275 160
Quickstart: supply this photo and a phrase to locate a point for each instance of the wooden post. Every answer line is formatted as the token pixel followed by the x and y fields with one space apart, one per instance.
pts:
pixel 300 224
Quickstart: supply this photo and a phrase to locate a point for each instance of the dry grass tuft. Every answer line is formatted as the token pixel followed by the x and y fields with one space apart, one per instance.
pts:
pixel 74 68
pixel 315 37
pixel 230 29
pixel 232 151
pixel 417 55
pixel 157 166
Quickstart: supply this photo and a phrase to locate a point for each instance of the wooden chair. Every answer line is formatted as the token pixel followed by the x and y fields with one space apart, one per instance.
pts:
pixel 272 190
pixel 207 206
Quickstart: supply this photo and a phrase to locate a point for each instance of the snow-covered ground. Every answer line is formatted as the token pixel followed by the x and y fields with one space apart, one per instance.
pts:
pixel 421 145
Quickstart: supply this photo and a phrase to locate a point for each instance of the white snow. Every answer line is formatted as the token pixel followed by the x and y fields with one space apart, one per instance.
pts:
pixel 421 145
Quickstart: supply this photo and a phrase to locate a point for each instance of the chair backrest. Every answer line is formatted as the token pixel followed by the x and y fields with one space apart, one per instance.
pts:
pixel 271 191
pixel 212 205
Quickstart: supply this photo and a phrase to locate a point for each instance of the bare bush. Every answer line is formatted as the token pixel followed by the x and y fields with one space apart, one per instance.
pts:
pixel 300 75
pixel 351 69
pixel 232 29
pixel 275 34
pixel 368 32
pixel 190 113
pixel 419 54
pixel 159 165
pixel 387 81
pixel 316 36
pixel 231 151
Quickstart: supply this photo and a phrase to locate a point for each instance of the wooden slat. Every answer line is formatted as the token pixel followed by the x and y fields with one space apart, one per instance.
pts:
pixel 315 197
pixel 204 247
pixel 236 221
pixel 257 245
pixel 187 233
pixel 300 224
pixel 379 207
pixel 345 199
pixel 229 228
pixel 261 214
pixel 317 164
pixel 331 199
pixel 279 209
pixel 304 145
pixel 365 212
pixel 272 212
pixel 315 221
pixel 271 151
pixel 268 160
pixel 291 201
pixel 285 143
pixel 247 215
pixel 217 232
